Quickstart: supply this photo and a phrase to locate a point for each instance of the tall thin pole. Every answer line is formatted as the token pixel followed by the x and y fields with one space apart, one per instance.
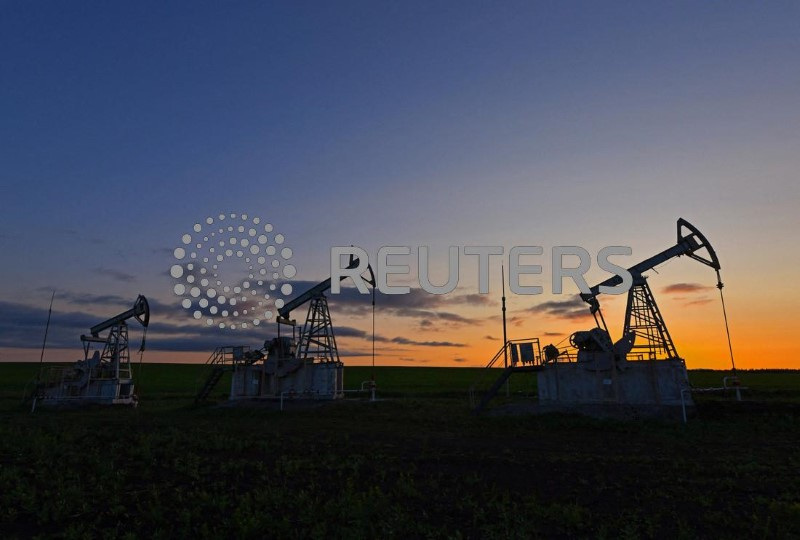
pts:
pixel 727 329
pixel 372 381
pixel 44 342
pixel 505 335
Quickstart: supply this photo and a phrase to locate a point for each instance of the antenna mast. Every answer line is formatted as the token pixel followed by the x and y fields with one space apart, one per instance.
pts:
pixel 505 336
pixel 44 343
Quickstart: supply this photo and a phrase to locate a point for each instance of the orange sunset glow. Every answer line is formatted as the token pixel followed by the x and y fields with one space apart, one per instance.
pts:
pixel 515 137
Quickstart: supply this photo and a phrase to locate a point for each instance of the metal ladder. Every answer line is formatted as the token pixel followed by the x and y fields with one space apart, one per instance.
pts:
pixel 221 360
pixel 525 357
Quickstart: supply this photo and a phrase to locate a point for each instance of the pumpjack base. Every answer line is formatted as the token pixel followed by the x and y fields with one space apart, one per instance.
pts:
pixel 290 380
pixel 644 385
pixel 79 392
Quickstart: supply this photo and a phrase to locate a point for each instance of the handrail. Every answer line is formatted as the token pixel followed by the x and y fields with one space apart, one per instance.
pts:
pixel 508 344
pixel 366 386
pixel 225 355
pixel 220 357
pixel 537 360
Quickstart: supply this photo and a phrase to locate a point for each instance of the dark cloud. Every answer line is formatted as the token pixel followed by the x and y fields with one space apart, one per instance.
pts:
pixel 469 299
pixel 685 288
pixel 572 309
pixel 417 304
pixel 189 338
pixel 111 304
pixel 459 360
pixel 406 341
pixel 349 331
pixel 551 334
pixel 172 328
pixel 491 338
pixel 454 317
pixel 413 360
pixel 23 326
pixel 170 311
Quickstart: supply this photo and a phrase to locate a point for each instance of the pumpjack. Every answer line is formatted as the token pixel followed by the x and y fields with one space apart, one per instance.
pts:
pixel 641 368
pixel 104 376
pixel 644 334
pixel 304 365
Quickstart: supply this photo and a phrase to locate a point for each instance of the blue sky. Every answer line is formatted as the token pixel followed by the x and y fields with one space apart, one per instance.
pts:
pixel 379 123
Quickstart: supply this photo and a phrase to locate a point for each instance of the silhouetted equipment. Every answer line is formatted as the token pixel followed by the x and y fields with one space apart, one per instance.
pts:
pixel 140 311
pixel 291 367
pixel 643 319
pixel 642 371
pixel 103 376
pixel 639 374
pixel 551 353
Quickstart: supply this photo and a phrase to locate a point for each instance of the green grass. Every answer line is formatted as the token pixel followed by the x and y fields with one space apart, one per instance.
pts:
pixel 415 465
pixel 179 382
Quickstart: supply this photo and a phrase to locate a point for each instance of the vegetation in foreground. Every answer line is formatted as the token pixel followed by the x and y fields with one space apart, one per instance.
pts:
pixel 415 465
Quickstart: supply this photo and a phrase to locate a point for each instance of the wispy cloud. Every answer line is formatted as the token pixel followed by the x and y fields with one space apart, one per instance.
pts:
pixel 685 288
pixel 572 309
pixel 406 341
pixel 698 302
pixel 468 299
pixel 413 360
pixel 417 304
pixel 517 321
pixel 695 291
pixel 22 326
pixel 114 303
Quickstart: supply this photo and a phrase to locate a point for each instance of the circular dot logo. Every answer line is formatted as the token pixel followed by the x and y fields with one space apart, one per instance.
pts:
pixel 232 271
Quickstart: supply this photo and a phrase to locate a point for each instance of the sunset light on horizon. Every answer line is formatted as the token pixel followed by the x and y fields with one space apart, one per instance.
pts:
pixel 412 124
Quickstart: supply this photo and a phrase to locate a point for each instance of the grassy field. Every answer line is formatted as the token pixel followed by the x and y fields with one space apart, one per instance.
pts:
pixel 416 464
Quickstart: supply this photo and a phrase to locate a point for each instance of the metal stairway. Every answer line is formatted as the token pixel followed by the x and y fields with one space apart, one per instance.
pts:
pixel 221 360
pixel 524 356
pixel 211 381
